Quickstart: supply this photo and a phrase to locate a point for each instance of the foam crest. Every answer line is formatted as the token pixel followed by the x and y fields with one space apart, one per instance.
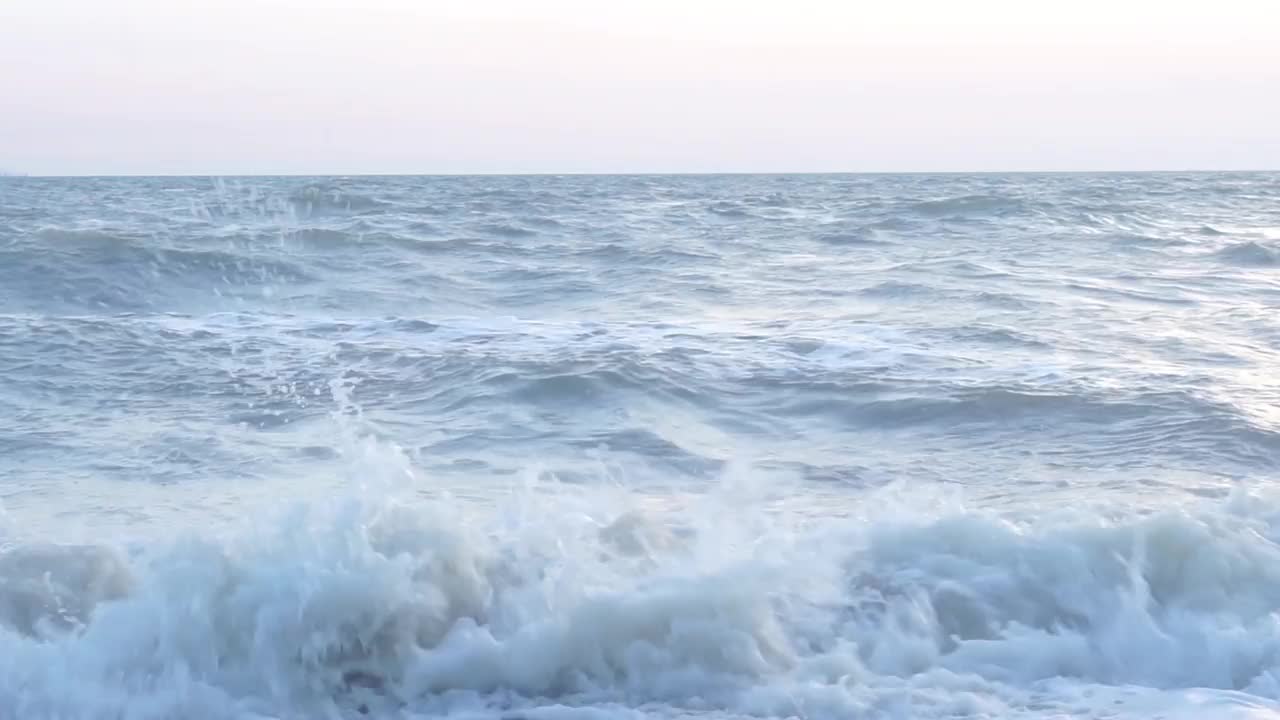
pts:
pixel 733 602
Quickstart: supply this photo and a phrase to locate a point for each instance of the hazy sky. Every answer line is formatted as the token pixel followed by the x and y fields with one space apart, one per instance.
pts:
pixel 457 86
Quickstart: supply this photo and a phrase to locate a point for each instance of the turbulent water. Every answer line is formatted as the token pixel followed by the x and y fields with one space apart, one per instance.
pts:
pixel 585 448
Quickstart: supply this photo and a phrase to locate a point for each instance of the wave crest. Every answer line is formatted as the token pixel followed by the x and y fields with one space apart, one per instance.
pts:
pixel 1250 254
pixel 383 606
pixel 314 200
pixel 969 206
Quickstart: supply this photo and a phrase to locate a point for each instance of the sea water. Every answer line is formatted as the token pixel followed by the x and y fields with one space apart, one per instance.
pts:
pixel 588 447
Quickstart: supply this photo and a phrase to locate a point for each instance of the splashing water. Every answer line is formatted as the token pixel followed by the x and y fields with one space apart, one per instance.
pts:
pixel 566 448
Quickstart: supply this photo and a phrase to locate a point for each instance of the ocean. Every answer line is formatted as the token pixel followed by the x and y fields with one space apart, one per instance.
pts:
pixel 623 447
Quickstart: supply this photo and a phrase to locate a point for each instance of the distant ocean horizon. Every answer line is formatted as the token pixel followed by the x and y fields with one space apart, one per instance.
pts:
pixel 623 173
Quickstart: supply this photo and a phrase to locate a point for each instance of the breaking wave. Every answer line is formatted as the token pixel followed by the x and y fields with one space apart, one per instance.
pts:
pixel 690 604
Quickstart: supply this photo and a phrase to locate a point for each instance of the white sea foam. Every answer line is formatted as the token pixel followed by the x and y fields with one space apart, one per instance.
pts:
pixel 573 602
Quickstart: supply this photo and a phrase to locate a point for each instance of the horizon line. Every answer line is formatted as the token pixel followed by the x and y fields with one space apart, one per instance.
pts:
pixel 686 173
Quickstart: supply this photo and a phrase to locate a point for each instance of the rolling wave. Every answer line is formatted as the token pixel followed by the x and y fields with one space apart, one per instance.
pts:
pixel 971 206
pixel 319 200
pixel 1250 254
pixel 99 270
pixel 869 237
pixel 376 608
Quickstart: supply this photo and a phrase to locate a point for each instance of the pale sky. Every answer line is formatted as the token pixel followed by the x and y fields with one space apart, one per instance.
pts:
pixel 483 86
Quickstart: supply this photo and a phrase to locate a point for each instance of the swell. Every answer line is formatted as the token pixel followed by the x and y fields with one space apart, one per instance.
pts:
pixel 579 396
pixel 114 271
pixel 575 380
pixel 322 199
pixel 1250 254
pixel 1115 423
pixel 861 236
pixel 974 206
pixel 581 385
pixel 891 406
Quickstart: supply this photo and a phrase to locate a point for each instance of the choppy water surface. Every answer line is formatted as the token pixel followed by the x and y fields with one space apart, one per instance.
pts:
pixel 583 448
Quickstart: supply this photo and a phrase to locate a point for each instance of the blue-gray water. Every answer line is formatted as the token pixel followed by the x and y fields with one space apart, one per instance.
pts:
pixel 588 448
